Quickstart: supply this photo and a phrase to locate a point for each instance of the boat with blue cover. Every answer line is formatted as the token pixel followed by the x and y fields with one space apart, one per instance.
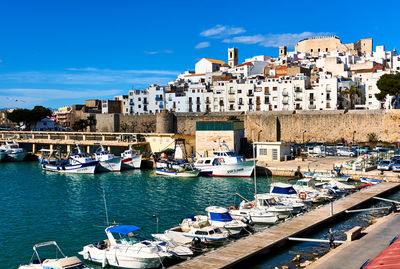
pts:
pixel 334 174
pixel 123 248
pixel 371 180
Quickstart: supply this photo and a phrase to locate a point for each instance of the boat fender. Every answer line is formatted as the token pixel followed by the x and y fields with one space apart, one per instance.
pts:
pixel 63 168
pixel 302 195
pixel 232 208
pixel 58 168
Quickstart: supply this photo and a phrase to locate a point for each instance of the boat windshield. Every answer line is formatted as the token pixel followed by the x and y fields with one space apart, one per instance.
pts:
pixel 128 239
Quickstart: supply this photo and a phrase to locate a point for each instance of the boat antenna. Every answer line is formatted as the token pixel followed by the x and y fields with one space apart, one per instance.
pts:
pixel 105 207
pixel 255 173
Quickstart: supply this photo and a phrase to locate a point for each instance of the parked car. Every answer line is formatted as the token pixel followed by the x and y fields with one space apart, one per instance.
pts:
pixel 346 152
pixel 364 150
pixel 396 166
pixel 384 165
pixel 330 152
pixel 393 160
pixel 378 147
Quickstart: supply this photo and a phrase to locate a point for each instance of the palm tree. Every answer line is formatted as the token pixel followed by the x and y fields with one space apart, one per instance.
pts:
pixel 354 90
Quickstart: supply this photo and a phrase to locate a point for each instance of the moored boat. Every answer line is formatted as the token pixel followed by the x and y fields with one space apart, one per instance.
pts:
pixel 107 161
pixel 224 163
pixel 3 154
pixel 125 250
pixel 131 159
pixel 371 180
pixel 13 151
pixel 182 171
pixel 55 263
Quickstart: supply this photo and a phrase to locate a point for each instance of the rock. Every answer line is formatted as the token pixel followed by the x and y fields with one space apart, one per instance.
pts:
pixel 315 254
pixel 285 267
pixel 296 259
pixel 305 264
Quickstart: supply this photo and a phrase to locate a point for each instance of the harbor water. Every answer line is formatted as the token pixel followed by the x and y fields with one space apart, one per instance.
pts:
pixel 40 206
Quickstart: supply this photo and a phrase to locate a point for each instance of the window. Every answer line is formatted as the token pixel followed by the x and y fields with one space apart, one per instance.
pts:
pixel 266 89
pixel 263 152
pixel 274 154
pixel 326 49
pixel 311 50
pixel 370 88
pixel 239 91
pixel 275 88
pixel 319 50
pixel 275 98
pixel 266 100
pixel 370 96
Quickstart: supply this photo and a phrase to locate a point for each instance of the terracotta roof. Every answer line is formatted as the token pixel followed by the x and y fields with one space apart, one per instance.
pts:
pixel 246 63
pixel 222 63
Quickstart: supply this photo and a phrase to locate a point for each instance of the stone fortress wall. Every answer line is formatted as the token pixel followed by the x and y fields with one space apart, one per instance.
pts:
pixel 286 126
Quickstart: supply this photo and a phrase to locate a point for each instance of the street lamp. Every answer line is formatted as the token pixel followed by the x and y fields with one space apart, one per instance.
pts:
pixel 303 136
pixel 354 132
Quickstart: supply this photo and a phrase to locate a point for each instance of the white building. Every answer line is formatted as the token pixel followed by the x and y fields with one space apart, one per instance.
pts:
pixel 207 65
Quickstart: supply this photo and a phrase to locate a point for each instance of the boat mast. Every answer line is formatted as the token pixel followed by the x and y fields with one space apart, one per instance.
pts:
pixel 254 171
pixel 105 207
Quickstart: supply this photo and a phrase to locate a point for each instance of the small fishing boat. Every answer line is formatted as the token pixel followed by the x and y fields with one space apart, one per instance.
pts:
pixel 13 151
pixel 169 245
pixel 79 163
pixel 371 180
pixel 220 217
pixel 107 161
pixel 224 163
pixel 190 229
pixel 184 170
pixel 131 159
pixel 272 205
pixel 254 214
pixel 56 263
pixel 126 250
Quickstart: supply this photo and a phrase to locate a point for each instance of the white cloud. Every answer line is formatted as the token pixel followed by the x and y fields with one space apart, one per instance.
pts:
pixel 202 45
pixel 274 40
pixel 89 76
pixel 154 52
pixel 221 31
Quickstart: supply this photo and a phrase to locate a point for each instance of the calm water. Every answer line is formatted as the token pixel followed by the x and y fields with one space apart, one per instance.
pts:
pixel 38 206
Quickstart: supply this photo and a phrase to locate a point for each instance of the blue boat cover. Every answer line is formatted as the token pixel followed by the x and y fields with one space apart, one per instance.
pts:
pixel 285 190
pixel 123 229
pixel 224 217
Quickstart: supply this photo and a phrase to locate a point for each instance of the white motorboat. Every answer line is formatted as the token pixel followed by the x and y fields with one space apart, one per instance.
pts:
pixel 270 204
pixel 224 164
pixel 107 161
pixel 190 229
pixel 220 217
pixel 254 214
pixel 169 245
pixel 79 163
pixel 131 159
pixel 13 151
pixel 125 251
pixel 288 192
pixel 183 170
pixel 55 263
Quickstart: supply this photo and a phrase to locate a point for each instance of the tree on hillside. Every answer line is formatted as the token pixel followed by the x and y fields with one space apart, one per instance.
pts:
pixel 91 121
pixel 29 116
pixel 79 125
pixel 353 91
pixel 388 84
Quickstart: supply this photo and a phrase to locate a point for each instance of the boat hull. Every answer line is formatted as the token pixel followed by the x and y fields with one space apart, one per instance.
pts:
pixel 3 155
pixel 242 169
pixel 120 258
pixel 132 162
pixel 112 165
pixel 85 168
pixel 16 157
pixel 162 172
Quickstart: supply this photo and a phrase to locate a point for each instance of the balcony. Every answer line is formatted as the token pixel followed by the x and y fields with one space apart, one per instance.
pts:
pixel 190 102
pixel 240 103
pixel 250 94
pixel 298 89
pixel 312 106
pixel 159 98
pixel 145 102
pixel 285 93
pixel 298 98
pixel 328 90
pixel 231 92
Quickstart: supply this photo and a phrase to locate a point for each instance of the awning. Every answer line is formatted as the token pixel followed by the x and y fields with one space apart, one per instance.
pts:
pixel 123 229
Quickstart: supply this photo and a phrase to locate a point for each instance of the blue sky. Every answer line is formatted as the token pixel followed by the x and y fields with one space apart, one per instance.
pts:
pixel 56 53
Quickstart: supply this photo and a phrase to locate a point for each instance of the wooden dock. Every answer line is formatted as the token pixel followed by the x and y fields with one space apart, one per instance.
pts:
pixel 238 252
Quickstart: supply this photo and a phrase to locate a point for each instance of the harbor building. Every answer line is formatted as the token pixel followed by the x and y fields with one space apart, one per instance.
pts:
pixel 272 151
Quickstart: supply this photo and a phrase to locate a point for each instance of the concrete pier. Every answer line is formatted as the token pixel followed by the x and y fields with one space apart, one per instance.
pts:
pixel 237 253
pixel 149 141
